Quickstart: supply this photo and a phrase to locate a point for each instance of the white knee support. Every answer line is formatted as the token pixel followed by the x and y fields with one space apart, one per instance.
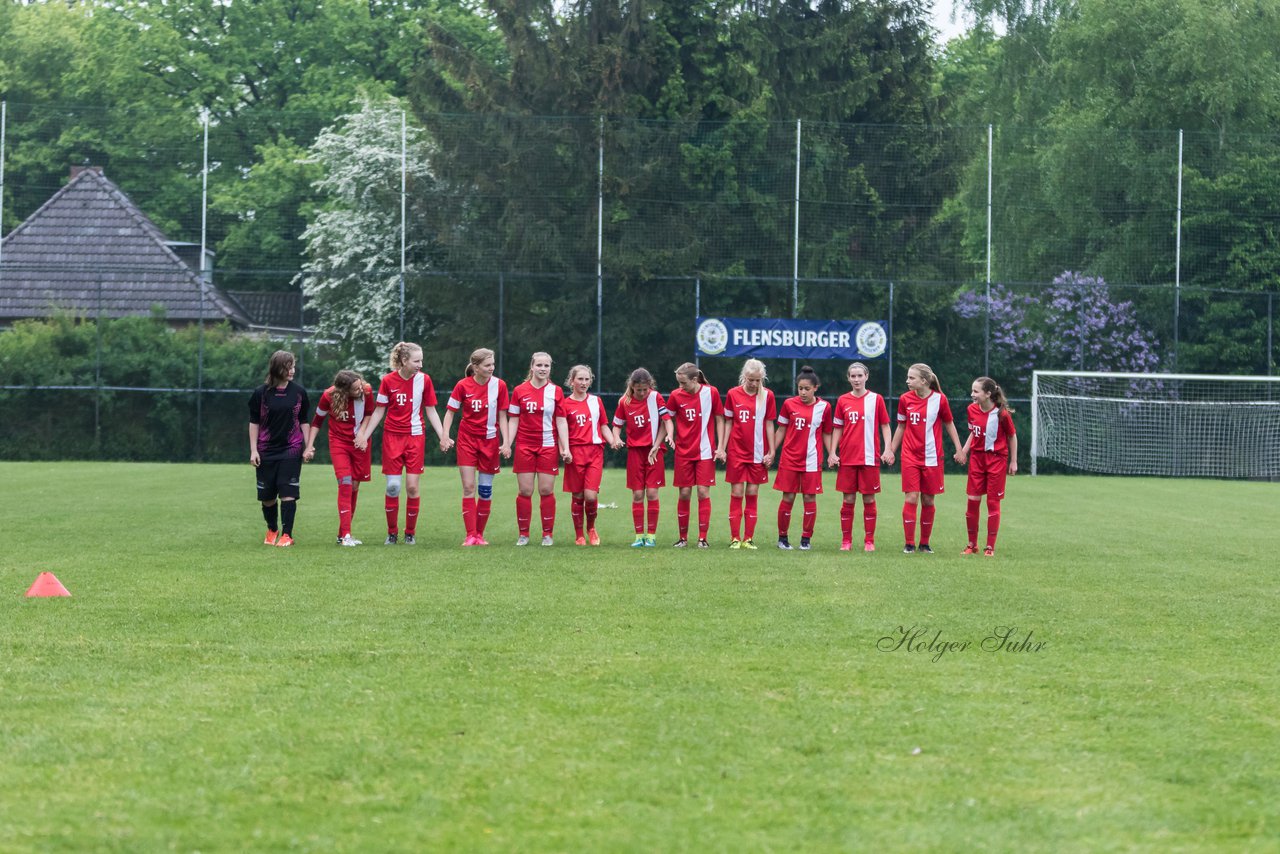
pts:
pixel 484 486
pixel 393 486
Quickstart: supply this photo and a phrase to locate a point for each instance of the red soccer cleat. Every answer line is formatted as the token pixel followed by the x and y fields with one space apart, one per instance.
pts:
pixel 285 541
pixel 970 550
pixel 271 538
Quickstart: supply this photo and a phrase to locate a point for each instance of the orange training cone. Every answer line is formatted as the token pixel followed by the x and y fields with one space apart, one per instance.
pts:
pixel 47 584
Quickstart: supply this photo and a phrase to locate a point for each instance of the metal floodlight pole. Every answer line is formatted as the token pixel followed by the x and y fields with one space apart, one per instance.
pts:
pixel 1177 256
pixel 795 251
pixel 404 188
pixel 204 282
pixel 600 259
pixel 4 120
pixel 986 332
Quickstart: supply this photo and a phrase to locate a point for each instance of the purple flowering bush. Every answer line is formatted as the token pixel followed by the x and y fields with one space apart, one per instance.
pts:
pixel 1074 324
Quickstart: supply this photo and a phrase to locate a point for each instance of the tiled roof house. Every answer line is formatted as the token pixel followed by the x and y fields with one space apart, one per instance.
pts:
pixel 89 250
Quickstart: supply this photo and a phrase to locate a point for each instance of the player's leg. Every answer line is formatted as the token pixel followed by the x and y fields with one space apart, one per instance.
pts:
pixel 847 504
pixel 704 513
pixel 525 482
pixel 547 504
pixel 266 482
pixel 750 514
pixel 784 519
pixel 467 474
pixel 682 510
pixel 927 511
pixel 869 521
pixel 736 492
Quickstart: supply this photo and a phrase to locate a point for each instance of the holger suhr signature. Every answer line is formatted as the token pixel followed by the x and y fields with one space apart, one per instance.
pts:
pixel 922 639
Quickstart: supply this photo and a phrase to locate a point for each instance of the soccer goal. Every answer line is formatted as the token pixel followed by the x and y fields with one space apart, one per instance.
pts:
pixel 1178 425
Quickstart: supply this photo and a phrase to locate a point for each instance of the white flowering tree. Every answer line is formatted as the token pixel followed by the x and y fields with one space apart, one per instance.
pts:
pixel 351 274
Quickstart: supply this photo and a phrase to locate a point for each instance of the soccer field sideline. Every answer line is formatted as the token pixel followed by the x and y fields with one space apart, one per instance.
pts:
pixel 202 691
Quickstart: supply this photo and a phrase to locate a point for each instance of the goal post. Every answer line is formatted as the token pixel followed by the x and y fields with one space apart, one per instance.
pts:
pixel 1173 425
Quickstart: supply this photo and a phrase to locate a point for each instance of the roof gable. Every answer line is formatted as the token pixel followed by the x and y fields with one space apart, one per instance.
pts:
pixel 89 249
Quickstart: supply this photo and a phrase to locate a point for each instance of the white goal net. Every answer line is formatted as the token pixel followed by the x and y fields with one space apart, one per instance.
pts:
pixel 1180 425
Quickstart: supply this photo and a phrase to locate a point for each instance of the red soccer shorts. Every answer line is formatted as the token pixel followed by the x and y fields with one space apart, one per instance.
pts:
pixel 736 471
pixel 479 454
pixel 641 474
pixel 348 462
pixel 861 479
pixel 541 460
pixel 402 452
pixel 987 473
pixel 925 479
pixel 695 473
pixel 803 482
pixel 583 474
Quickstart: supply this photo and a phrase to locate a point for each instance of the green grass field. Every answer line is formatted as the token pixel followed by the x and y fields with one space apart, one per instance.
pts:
pixel 200 691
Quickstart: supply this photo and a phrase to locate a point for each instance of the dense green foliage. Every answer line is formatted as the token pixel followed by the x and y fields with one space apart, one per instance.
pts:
pixel 127 389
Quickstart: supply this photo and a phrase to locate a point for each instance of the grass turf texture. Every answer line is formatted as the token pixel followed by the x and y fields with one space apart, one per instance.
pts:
pixel 202 691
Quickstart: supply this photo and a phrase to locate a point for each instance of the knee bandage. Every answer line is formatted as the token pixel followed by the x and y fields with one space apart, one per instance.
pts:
pixel 345 481
pixel 393 486
pixel 484 486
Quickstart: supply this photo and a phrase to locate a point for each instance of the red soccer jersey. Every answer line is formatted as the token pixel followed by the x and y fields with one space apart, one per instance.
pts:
pixel 535 411
pixel 695 415
pixel 990 430
pixel 479 406
pixel 922 419
pixel 641 419
pixel 587 420
pixel 802 446
pixel 342 425
pixel 749 416
pixel 405 401
pixel 861 418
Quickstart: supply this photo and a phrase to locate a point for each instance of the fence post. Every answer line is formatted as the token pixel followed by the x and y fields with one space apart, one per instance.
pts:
pixel 986 329
pixel 97 372
pixel 204 283
pixel 1177 257
pixel 890 334
pixel 795 253
pixel 404 195
pixel 600 259
pixel 697 312
pixel 1271 361
pixel 4 121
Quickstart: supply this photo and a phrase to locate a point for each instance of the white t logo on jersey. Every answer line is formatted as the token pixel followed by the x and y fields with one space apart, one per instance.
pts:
pixel 477 405
pixel 580 419
pixel 800 423
pixel 915 418
pixel 401 398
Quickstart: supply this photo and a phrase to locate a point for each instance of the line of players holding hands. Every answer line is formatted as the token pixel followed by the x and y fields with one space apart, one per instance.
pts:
pixel 539 427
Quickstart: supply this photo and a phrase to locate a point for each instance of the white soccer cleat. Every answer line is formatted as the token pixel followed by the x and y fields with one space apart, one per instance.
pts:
pixel 348 541
pixel 522 540
pixel 546 540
